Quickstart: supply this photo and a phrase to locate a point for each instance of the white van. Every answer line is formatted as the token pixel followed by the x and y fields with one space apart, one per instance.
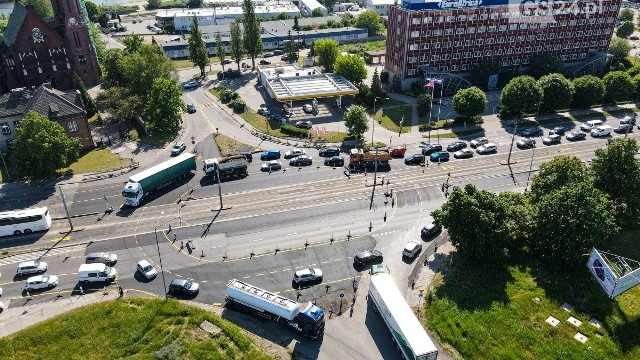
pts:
pixel 589 125
pixel 96 272
pixel 602 130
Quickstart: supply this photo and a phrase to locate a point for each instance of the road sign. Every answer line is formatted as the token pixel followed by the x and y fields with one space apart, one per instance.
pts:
pixel 421 295
pixel 341 295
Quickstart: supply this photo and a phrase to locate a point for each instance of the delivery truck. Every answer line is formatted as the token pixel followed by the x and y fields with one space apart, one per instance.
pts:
pixel 406 331
pixel 308 321
pixel 143 183
pixel 361 159
pixel 227 167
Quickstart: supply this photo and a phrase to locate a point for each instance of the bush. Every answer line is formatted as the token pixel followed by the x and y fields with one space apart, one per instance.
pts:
pixel 294 131
pixel 238 106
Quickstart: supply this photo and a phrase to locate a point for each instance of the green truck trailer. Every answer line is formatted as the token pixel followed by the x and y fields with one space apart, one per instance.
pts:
pixel 142 184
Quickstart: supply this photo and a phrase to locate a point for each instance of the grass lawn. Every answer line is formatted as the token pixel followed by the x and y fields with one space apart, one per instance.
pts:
pixel 133 329
pixel 230 146
pixel 382 103
pixel 158 139
pixel 97 160
pixel 186 63
pixel 260 122
pixel 488 311
pixel 390 118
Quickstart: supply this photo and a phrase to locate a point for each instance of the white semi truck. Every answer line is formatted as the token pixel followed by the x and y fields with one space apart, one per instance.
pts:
pixel 308 321
pixel 410 337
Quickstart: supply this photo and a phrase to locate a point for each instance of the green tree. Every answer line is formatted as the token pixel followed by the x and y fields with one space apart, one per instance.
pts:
pixel 198 53
pixel 568 222
pixel 558 91
pixel 619 48
pixel 558 173
pixel 376 84
pixel 103 18
pixel 165 106
pixel 522 95
pixel 481 71
pixel 328 51
pixel 329 3
pixel 355 119
pixel 42 147
pixel 89 104
pixel 618 86
pixel 121 104
pixel 519 212
pixel 290 49
pixel 423 104
pixel 636 84
pixel 317 12
pixel 364 93
pixel 93 10
pixel 616 171
pixel 220 50
pixel 625 29
pixel 153 4
pixel 252 32
pixel 470 102
pixel 482 233
pixel 42 7
pixel 235 42
pixel 589 91
pixel 371 21
pixel 195 4
pixel 351 67
pixel 143 67
pixel 296 26
pixel 625 14
pixel 544 64
pixel 283 16
pixel 112 67
pixel 132 43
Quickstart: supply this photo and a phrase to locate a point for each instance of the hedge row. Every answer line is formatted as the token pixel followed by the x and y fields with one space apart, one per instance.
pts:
pixel 292 130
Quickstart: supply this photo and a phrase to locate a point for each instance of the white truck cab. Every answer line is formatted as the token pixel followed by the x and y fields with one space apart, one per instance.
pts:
pixel 132 194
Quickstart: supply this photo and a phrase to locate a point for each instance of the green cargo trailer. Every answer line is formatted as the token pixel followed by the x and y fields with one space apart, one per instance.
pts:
pixel 145 182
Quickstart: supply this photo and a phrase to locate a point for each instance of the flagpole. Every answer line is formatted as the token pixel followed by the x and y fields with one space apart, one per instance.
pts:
pixel 430 107
pixel 439 105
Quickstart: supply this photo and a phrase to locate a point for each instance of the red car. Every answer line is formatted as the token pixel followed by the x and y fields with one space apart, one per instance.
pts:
pixel 398 151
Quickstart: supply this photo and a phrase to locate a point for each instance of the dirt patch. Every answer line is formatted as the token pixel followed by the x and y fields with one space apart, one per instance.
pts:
pixel 230 146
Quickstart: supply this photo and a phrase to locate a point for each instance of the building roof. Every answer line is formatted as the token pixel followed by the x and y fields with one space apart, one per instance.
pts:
pixel 51 103
pixel 311 5
pixel 290 82
pixel 15 23
pixel 382 2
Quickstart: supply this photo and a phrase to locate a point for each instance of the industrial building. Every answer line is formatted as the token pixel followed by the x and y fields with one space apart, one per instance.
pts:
pixel 380 6
pixel 181 19
pixel 445 38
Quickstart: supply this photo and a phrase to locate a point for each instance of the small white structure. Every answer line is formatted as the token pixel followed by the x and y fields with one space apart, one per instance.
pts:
pixel 307 6
pixel 181 19
pixel 381 6
pixel 343 7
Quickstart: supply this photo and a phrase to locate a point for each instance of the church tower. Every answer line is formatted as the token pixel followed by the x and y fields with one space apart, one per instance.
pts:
pixel 73 25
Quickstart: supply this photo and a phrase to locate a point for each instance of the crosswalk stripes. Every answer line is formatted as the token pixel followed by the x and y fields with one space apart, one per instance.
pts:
pixel 207 105
pixel 30 256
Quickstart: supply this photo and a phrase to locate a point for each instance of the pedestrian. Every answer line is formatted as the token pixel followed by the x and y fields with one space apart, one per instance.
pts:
pixel 174 238
pixel 435 249
pixel 81 291
pixel 385 216
pixel 181 244
pixel 120 291
pixel 354 299
pixel 413 283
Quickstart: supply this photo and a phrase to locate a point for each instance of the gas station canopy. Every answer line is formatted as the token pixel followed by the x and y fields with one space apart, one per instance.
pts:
pixel 288 83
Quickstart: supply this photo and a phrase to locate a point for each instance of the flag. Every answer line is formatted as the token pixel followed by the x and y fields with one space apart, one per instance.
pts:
pixel 434 80
pixel 429 84
pixel 324 131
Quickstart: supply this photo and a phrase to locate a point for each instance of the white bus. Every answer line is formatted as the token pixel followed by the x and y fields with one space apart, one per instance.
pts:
pixel 24 221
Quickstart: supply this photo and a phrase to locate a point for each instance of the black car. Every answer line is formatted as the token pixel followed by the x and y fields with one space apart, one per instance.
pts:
pixel 329 151
pixel 526 143
pixel 247 155
pixel 182 286
pixel 576 135
pixel 431 148
pixel 558 130
pixel 624 128
pixel 455 146
pixel 534 131
pixel 277 52
pixel 629 119
pixel 265 62
pixel 226 62
pixel 191 108
pixel 367 257
pixel 415 159
pixel 266 55
pixel 430 229
pixel 334 161
pixel 302 160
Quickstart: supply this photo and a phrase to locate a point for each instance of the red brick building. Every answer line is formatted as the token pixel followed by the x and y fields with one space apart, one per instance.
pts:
pixel 449 36
pixel 34 51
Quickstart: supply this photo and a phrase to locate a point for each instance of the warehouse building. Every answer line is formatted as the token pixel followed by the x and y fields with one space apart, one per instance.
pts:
pixel 181 19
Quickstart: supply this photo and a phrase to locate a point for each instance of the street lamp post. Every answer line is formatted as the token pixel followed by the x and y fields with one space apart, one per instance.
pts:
pixel 401 121
pixel 164 283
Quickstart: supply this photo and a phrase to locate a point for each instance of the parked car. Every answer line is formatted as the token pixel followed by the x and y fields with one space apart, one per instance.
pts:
pixel 265 62
pixel 479 141
pixel 272 154
pixel 278 118
pixel 264 111
pixel 634 37
pixel 41 282
pixel 412 249
pixel 182 286
pixel 629 119
pixel 191 84
pixel 552 139
pixel 623 128
pixel 576 135
pixel 526 143
pixel 226 62
pixel 294 153
pixel 329 151
pixel 32 267
pixel 306 124
pixel 146 269
pixel 307 108
pixel 397 151
pixel 558 130
pixel 439 156
pixel 178 148
pixel 278 52
pixel 367 257
pixel 431 148
pixel 266 55
pixel 108 259
pixel 590 125
pixel 301 160
pixel 307 275
pixel 415 159
pixel 272 165
pixel 191 108
pixel 600 131
pixel 430 229
pixel 463 154
pixel 455 146
pixel 334 161
pixel 487 148
pixel 529 132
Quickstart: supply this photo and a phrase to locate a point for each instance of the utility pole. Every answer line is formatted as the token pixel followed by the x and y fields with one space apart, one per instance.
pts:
pixel 513 138
pixel 219 186
pixel 375 177
pixel 530 166
pixel 5 166
pixel 64 202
